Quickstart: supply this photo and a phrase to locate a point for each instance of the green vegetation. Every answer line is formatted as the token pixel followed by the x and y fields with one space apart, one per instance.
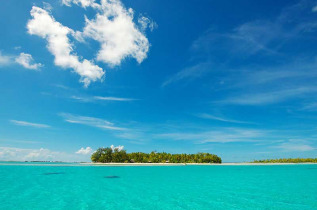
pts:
pixel 288 160
pixel 107 155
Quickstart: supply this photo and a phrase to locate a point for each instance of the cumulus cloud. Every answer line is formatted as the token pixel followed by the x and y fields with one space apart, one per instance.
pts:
pixel 44 25
pixel 19 154
pixel 83 3
pixel 27 61
pixel 24 123
pixel 114 29
pixel 119 148
pixel 84 151
pixel 24 59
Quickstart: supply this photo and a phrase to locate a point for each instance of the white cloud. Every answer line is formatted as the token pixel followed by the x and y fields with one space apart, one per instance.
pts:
pixel 102 98
pixel 27 61
pixel 83 3
pixel 84 151
pixel 212 117
pixel 291 147
pixel 5 59
pixel 24 123
pixel 310 107
pixel 314 9
pixel 145 23
pixel 190 73
pixel 20 141
pixel 114 29
pixel 44 25
pixel 302 69
pixel 47 6
pixel 262 36
pixel 223 135
pixel 82 99
pixel 269 97
pixel 90 121
pixel 19 154
pixel 42 154
pixel 119 148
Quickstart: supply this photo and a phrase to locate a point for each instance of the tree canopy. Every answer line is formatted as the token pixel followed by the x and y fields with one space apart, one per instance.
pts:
pixel 109 155
pixel 288 160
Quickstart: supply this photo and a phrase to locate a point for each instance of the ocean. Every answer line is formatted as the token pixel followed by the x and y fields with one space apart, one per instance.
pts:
pixel 71 186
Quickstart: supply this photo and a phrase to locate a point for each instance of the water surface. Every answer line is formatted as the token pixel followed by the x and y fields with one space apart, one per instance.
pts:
pixel 158 187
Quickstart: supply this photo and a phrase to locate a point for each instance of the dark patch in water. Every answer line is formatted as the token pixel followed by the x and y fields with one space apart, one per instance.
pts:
pixel 53 173
pixel 312 168
pixel 112 177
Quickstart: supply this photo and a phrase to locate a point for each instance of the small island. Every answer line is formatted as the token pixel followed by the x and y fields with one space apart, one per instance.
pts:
pixel 115 155
pixel 288 160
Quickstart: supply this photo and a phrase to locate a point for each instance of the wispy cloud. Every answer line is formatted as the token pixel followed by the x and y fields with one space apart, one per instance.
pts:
pixel 82 99
pixel 113 98
pixel 255 42
pixel 222 135
pixel 269 97
pixel 101 98
pixel 212 117
pixel 188 74
pixel 61 86
pixel 302 70
pixel 30 124
pixel 20 141
pixel 291 147
pixel 243 41
pixel 260 36
pixel 90 121
pixel 310 107
pixel 5 59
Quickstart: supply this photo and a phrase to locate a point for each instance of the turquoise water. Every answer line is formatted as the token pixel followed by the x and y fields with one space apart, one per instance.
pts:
pixel 158 187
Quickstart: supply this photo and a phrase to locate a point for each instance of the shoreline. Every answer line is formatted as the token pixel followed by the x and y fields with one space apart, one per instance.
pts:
pixel 69 164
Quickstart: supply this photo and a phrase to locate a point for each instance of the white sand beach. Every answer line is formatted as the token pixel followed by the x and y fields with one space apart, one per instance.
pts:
pixel 89 164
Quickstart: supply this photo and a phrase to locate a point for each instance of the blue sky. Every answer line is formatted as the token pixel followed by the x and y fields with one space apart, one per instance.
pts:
pixel 233 78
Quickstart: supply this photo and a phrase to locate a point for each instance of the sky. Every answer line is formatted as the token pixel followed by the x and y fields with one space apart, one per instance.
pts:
pixel 232 78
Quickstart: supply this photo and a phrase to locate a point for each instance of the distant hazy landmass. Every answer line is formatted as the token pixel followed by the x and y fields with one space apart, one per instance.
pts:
pixel 288 160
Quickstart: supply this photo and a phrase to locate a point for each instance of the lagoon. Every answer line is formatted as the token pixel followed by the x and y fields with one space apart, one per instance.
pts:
pixel 59 186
